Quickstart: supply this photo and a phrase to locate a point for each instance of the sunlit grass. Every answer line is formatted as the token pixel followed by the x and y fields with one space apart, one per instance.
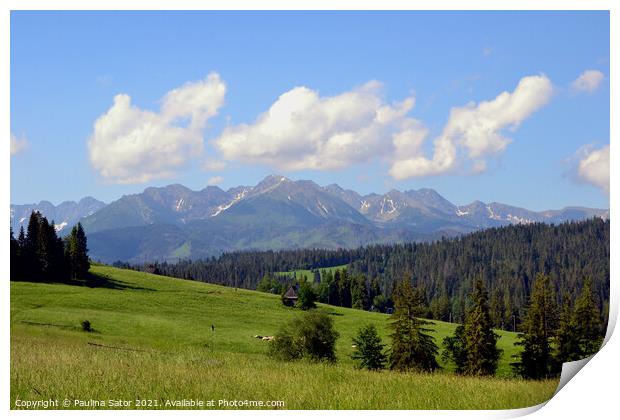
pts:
pixel 169 351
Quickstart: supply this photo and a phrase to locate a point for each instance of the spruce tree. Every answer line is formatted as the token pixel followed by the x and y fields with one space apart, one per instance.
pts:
pixel 15 263
pixel 566 340
pixel 81 257
pixel 454 349
pixel 480 340
pixel 497 309
pixel 76 253
pixel 536 360
pixel 32 266
pixel 587 321
pixel 413 348
pixel 359 293
pixel 369 352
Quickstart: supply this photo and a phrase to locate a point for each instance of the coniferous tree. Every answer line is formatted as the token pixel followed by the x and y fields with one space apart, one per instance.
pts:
pixel 454 349
pixel 536 359
pixel 76 252
pixel 587 321
pixel 369 352
pixel 566 341
pixel 497 309
pixel 480 340
pixel 359 293
pixel 15 258
pixel 413 348
pixel 32 266
pixel 344 289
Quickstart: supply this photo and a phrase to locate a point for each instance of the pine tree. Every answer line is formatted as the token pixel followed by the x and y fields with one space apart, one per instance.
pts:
pixel 369 349
pixel 536 360
pixel 587 321
pixel 566 340
pixel 32 266
pixel 480 340
pixel 82 264
pixel 413 348
pixel 359 293
pixel 497 309
pixel 76 253
pixel 454 349
pixel 15 256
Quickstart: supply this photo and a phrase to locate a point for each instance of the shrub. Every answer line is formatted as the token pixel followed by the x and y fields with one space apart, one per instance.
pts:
pixel 306 297
pixel 312 335
pixel 86 326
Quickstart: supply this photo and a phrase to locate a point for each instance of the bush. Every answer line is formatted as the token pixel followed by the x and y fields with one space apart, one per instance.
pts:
pixel 312 335
pixel 86 326
pixel 306 297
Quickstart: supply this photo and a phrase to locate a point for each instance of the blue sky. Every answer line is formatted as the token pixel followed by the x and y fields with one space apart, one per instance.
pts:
pixel 541 145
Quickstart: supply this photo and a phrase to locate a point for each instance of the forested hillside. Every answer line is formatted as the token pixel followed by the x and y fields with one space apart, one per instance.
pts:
pixel 506 258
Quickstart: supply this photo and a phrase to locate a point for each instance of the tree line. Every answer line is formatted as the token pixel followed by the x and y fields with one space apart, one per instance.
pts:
pixel 505 259
pixel 550 337
pixel 39 255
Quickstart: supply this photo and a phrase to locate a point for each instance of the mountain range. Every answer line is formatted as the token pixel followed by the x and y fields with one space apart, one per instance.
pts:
pixel 175 222
pixel 65 215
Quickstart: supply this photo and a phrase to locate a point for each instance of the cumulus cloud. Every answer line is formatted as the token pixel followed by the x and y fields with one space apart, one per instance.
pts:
pixel 215 180
pixel 302 130
pixel 593 166
pixel 475 131
pixel 18 144
pixel 132 145
pixel 588 81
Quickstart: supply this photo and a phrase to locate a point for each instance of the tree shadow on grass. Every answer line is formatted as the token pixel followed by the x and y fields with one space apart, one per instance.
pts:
pixel 99 281
pixel 96 281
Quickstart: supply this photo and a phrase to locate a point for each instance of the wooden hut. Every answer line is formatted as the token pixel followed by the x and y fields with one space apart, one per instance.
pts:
pixel 290 297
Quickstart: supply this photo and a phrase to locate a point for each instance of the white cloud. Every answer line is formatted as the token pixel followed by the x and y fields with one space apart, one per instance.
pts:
pixel 593 166
pixel 213 165
pixel 215 180
pixel 475 131
pixel 18 144
pixel 131 145
pixel 588 81
pixel 302 130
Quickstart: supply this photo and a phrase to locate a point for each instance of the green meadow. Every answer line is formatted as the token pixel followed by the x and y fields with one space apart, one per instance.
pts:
pixel 162 339
pixel 299 274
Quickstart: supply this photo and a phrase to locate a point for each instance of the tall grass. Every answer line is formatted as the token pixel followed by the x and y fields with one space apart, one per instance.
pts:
pixel 153 339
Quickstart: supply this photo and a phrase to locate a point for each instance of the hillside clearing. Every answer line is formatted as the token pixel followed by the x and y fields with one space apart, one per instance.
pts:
pixel 169 322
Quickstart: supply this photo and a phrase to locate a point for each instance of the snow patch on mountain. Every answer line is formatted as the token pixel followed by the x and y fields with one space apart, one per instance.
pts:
pixel 492 215
pixel 223 207
pixel 60 226
pixel 391 208
pixel 519 220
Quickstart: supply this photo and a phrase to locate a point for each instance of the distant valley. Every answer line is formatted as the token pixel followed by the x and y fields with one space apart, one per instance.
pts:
pixel 175 222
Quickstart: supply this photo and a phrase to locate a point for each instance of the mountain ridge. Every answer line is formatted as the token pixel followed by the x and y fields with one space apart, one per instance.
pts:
pixel 174 221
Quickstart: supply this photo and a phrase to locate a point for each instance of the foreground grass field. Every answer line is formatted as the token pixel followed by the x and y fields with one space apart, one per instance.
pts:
pixel 153 340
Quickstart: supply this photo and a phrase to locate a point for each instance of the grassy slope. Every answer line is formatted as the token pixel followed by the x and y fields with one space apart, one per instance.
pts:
pixel 298 274
pixel 171 320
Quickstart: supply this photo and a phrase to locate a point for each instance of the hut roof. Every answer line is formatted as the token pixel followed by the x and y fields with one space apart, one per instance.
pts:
pixel 290 293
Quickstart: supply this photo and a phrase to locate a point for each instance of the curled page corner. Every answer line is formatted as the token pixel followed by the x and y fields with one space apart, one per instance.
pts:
pixel 569 370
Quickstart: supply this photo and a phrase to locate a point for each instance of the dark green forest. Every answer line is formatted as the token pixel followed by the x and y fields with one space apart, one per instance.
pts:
pixel 39 255
pixel 506 259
